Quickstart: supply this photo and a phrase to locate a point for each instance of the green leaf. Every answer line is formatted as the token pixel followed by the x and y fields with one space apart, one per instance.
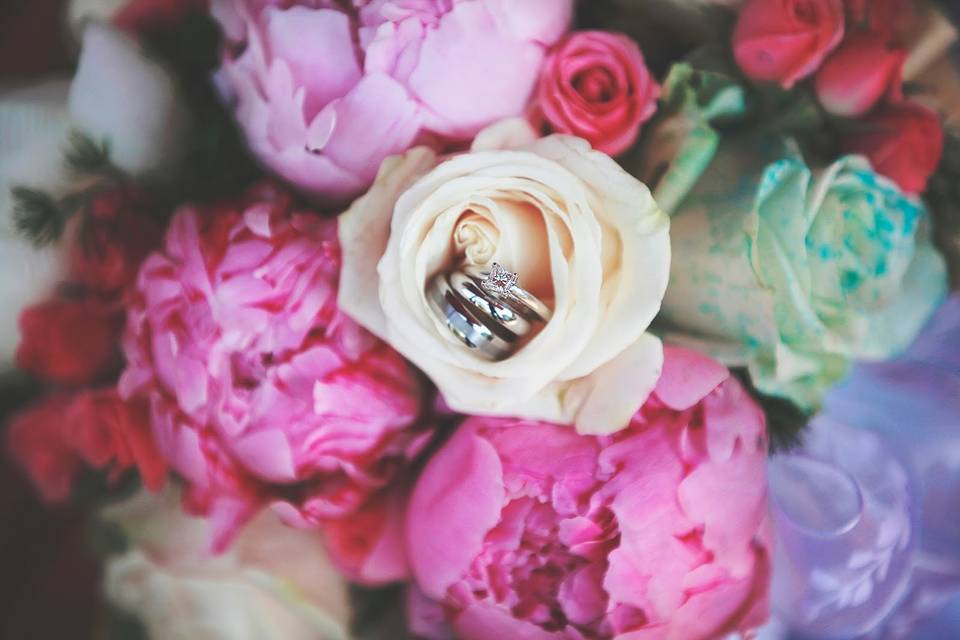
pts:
pixel 37 216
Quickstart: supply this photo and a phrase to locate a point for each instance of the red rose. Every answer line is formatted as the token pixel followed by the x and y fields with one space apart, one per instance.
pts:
pixel 113 241
pixel 786 40
pixel 35 440
pixel 903 142
pixel 595 85
pixel 110 432
pixel 54 438
pixel 863 70
pixel 69 341
pixel 882 17
pixel 148 16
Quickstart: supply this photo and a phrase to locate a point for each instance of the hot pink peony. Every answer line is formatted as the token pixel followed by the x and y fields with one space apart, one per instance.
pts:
pixel 325 90
pixel 528 530
pixel 261 391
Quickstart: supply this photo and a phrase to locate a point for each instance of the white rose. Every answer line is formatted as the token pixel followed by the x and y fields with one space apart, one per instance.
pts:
pixel 275 582
pixel 121 95
pixel 581 233
pixel 33 122
pixel 118 94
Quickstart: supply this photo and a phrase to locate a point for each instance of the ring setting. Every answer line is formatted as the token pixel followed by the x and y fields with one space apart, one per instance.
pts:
pixel 486 311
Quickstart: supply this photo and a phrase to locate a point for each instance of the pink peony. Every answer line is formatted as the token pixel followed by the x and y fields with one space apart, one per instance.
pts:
pixel 786 40
pixel 595 85
pixel 325 90
pixel 528 530
pixel 261 391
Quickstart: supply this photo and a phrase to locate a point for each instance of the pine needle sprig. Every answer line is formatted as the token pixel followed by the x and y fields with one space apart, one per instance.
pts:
pixel 38 216
pixel 41 217
pixel 84 156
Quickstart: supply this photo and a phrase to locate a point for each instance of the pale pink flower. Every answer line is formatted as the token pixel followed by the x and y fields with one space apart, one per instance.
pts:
pixel 261 391
pixel 523 529
pixel 325 90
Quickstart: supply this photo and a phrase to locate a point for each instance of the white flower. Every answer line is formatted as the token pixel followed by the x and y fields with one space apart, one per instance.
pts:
pixel 118 95
pixel 33 122
pixel 275 583
pixel 121 95
pixel 578 230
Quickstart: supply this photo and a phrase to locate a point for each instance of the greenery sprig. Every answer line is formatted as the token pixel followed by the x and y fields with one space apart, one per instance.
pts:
pixel 41 217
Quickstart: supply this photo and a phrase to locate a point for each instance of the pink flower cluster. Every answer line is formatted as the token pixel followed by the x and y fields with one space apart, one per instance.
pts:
pixel 522 529
pixel 853 51
pixel 325 90
pixel 261 391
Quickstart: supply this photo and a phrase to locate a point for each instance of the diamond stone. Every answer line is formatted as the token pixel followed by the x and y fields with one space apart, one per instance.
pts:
pixel 499 281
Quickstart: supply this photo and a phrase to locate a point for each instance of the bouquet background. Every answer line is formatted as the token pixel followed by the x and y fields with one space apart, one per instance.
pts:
pixel 197 321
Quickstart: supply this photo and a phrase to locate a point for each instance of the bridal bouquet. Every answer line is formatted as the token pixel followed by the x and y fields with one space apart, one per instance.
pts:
pixel 531 319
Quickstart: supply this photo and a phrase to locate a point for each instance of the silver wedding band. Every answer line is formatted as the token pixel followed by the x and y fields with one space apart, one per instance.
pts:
pixel 490 325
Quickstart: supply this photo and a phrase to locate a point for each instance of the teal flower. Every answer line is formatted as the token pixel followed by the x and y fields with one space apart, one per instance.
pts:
pixel 790 271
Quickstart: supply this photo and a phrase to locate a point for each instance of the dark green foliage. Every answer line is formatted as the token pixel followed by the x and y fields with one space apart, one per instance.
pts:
pixel 943 197
pixel 785 420
pixel 84 156
pixel 37 216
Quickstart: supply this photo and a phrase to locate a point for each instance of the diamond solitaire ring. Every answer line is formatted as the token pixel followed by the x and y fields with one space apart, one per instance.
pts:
pixel 486 311
pixel 503 284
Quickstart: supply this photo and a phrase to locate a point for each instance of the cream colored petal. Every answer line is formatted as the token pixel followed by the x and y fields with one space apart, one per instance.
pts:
pixel 364 230
pixel 604 401
pixel 512 133
pixel 636 264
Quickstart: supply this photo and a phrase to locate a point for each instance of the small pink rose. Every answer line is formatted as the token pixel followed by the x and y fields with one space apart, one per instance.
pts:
pixel 863 70
pixel 596 85
pixel 786 40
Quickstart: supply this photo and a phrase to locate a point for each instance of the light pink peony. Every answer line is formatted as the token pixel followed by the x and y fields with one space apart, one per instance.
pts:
pixel 261 391
pixel 528 530
pixel 325 89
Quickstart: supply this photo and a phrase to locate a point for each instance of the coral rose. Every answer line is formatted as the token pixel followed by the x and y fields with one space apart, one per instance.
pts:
pixel 326 90
pixel 596 85
pixel 71 341
pixel 583 235
pixel 786 40
pixel 903 142
pixel 526 529
pixel 262 391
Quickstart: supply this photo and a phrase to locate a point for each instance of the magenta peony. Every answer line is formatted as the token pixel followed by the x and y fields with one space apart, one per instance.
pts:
pixel 325 90
pixel 261 391
pixel 596 85
pixel 528 530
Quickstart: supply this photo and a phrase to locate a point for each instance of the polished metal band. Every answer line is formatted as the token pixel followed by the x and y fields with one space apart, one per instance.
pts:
pixel 492 324
pixel 530 303
pixel 476 335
